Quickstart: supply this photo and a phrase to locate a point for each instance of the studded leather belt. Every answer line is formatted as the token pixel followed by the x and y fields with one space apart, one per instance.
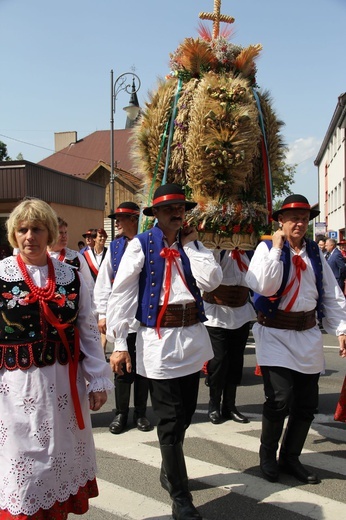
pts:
pixel 288 320
pixel 229 295
pixel 179 316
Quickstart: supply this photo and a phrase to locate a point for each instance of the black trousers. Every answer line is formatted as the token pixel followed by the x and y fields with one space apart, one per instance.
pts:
pixel 141 385
pixel 129 377
pixel 288 392
pixel 228 361
pixel 174 402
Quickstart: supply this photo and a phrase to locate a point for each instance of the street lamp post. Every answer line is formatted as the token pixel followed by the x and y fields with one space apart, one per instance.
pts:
pixel 121 83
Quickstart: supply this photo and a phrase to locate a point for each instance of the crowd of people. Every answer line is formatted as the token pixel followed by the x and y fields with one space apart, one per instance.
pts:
pixel 167 306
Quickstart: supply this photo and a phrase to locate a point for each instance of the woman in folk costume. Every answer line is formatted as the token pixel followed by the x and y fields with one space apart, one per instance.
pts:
pixel 294 286
pixel 63 253
pixel 47 359
pixel 95 255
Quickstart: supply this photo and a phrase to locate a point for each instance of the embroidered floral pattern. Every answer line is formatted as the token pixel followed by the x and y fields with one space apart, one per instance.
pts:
pixel 22 468
pixel 72 424
pixel 58 463
pixel 62 401
pixel 43 433
pixel 3 433
pixel 29 406
pixel 4 389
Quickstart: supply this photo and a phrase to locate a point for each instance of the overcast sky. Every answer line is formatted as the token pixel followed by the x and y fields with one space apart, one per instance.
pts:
pixel 57 56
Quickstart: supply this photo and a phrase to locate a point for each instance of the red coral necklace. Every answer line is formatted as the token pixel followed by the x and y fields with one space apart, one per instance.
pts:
pixel 41 293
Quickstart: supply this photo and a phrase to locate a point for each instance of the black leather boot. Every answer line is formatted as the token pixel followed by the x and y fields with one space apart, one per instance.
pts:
pixel 140 397
pixel 229 409
pixel 291 447
pixel 175 469
pixel 122 400
pixel 271 433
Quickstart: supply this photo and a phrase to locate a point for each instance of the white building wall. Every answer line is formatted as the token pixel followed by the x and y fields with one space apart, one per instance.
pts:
pixel 336 182
pixel 331 163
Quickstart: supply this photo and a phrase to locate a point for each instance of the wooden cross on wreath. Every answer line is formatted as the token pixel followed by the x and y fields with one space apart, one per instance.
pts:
pixel 216 17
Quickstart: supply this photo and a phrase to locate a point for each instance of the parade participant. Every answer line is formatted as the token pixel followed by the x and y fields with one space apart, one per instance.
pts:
pixel 89 236
pixel 50 352
pixel 126 219
pixel 295 283
pixel 158 283
pixel 95 255
pixel 229 314
pixel 61 252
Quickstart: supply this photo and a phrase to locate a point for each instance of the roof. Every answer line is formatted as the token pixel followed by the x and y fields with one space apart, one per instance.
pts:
pixel 338 120
pixel 81 158
pixel 24 178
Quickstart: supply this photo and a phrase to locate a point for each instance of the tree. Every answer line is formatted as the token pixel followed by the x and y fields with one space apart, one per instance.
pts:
pixel 282 179
pixel 3 152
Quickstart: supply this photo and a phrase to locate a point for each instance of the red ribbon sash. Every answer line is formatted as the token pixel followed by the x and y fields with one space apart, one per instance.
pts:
pixel 72 363
pixel 236 255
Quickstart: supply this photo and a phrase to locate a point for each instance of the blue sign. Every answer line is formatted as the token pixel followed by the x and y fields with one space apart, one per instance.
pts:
pixel 333 234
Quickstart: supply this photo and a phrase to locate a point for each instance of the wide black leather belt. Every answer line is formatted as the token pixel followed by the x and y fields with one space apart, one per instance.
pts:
pixel 288 320
pixel 229 295
pixel 179 316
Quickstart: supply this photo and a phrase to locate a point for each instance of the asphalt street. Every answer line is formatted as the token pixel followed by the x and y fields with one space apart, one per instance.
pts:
pixel 222 460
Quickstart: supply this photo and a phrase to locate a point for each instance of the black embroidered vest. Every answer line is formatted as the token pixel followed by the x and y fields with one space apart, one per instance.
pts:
pixel 26 338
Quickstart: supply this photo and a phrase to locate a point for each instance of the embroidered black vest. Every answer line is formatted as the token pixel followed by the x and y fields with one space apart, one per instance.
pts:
pixel 26 338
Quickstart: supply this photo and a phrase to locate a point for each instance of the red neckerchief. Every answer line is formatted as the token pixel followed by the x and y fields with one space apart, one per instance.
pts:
pixel 170 255
pixel 300 266
pixel 235 254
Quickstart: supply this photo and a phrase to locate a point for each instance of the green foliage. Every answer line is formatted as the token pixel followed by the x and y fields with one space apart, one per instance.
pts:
pixel 282 180
pixel 3 152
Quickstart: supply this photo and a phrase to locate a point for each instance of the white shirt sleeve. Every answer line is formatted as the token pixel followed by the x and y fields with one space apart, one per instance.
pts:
pixel 264 275
pixel 204 267
pixel 94 366
pixel 123 301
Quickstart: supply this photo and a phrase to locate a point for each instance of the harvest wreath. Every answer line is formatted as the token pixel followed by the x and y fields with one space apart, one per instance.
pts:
pixel 208 128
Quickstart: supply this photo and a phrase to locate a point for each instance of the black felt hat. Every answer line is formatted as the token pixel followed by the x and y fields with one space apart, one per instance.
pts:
pixel 296 202
pixel 168 194
pixel 125 208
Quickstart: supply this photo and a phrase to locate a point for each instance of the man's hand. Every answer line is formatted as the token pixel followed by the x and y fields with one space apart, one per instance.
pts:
pixel 188 234
pixel 117 361
pixel 102 326
pixel 97 400
pixel 342 345
pixel 278 239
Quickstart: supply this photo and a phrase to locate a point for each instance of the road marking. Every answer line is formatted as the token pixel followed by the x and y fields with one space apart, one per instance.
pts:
pixel 226 479
pixel 129 504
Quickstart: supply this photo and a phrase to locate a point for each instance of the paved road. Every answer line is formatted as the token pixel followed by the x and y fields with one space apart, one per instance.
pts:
pixel 222 461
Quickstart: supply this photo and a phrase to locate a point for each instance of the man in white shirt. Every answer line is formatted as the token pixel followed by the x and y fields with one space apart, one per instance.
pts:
pixel 229 312
pixel 158 283
pixel 293 283
pixel 126 218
